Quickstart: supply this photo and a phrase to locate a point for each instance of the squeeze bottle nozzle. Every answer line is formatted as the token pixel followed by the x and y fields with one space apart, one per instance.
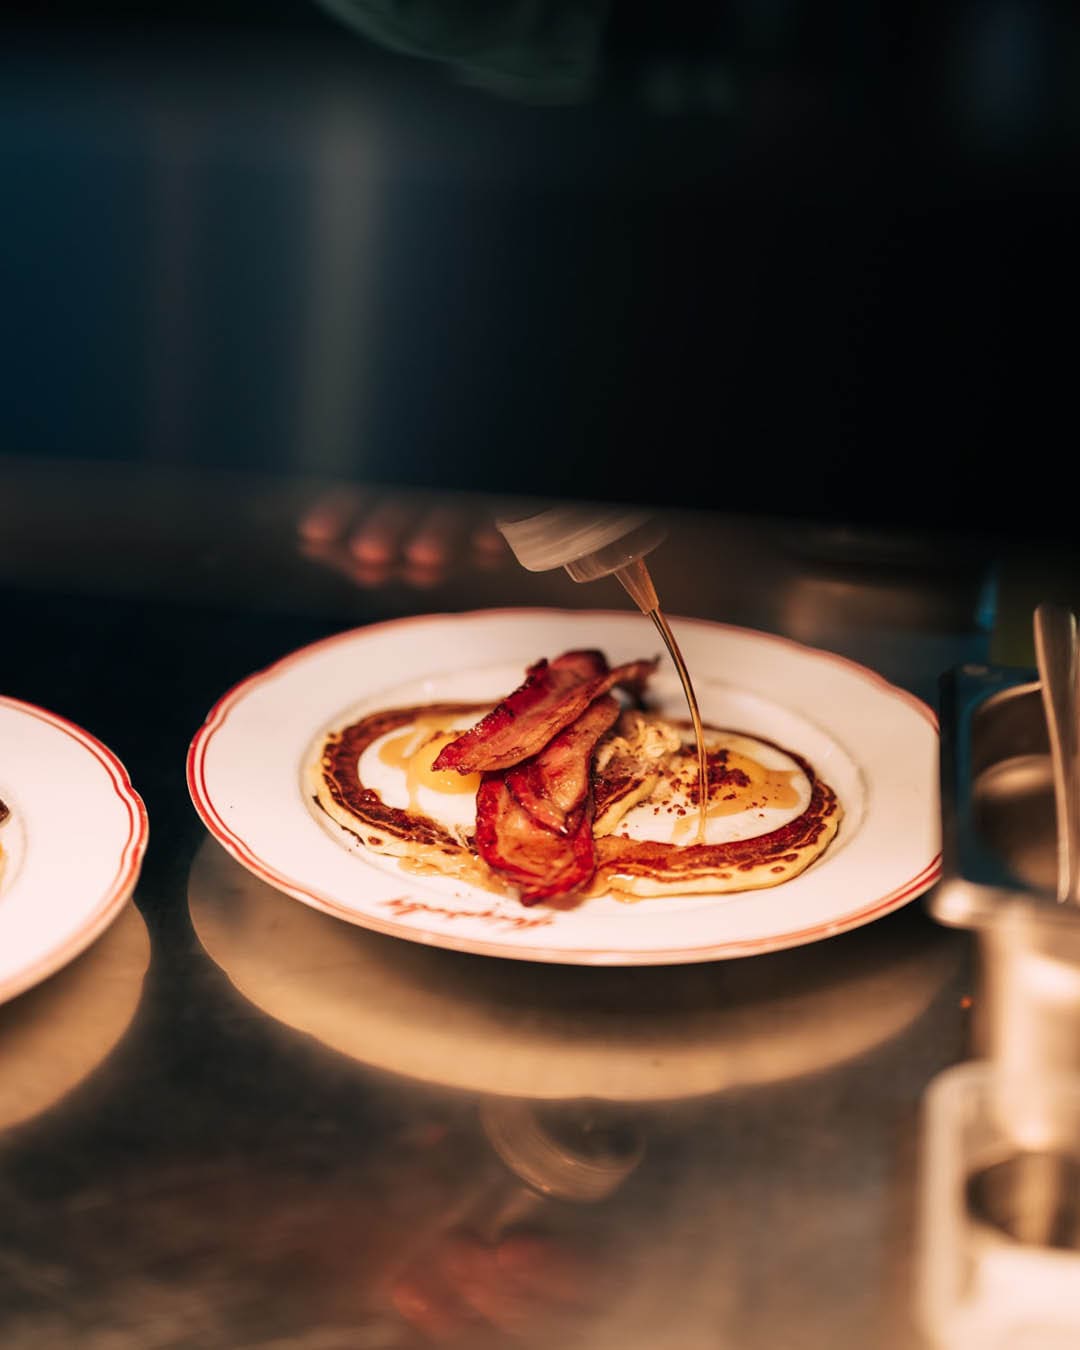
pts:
pixel 589 543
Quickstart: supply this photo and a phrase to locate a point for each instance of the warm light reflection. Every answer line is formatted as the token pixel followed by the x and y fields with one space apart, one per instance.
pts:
pixel 549 1033
pixel 56 1035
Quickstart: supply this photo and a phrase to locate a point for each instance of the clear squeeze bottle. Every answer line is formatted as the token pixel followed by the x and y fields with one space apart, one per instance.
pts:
pixel 590 543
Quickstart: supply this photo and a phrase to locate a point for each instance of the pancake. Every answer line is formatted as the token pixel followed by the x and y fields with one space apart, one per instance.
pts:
pixel 769 815
pixel 373 778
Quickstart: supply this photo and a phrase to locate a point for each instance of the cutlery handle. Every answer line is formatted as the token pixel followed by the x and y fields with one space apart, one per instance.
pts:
pixel 1059 669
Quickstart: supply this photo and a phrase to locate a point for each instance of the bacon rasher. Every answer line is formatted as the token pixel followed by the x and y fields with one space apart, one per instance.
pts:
pixel 554 695
pixel 552 785
pixel 538 861
pixel 534 821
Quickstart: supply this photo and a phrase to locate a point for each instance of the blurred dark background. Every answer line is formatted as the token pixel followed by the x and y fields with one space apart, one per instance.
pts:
pixel 766 256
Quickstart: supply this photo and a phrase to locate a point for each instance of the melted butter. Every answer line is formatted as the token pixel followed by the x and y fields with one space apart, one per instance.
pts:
pixel 415 751
pixel 773 788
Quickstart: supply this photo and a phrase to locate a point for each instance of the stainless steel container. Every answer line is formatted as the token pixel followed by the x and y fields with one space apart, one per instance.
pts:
pixel 999 1248
pixel 1000 870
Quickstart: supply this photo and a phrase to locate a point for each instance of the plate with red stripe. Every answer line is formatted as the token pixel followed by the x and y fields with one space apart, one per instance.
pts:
pixel 874 743
pixel 72 841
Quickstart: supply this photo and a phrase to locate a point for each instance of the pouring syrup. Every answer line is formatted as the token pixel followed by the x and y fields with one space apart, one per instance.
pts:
pixel 592 542
pixel 639 585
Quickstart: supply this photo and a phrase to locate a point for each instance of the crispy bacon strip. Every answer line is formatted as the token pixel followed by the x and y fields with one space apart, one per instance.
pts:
pixel 551 698
pixel 546 683
pixel 534 821
pixel 552 786
pixel 536 860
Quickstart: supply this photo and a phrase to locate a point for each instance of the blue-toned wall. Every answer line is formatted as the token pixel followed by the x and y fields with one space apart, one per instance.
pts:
pixel 792 251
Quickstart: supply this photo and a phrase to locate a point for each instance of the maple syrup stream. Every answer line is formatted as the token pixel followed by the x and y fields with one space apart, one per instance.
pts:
pixel 661 623
pixel 637 581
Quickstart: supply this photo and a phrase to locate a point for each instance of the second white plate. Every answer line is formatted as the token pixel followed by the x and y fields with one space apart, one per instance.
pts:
pixel 73 844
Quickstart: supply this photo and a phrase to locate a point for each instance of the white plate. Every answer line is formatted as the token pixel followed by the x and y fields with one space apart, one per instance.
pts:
pixel 73 844
pixel 874 743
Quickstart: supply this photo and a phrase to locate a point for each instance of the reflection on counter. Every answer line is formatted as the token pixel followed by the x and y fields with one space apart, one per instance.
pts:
pixel 559 1033
pixel 495 1154
pixel 54 1036
pixel 627 1141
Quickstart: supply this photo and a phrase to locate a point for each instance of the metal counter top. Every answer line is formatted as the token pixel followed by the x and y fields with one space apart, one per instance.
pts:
pixel 231 1123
